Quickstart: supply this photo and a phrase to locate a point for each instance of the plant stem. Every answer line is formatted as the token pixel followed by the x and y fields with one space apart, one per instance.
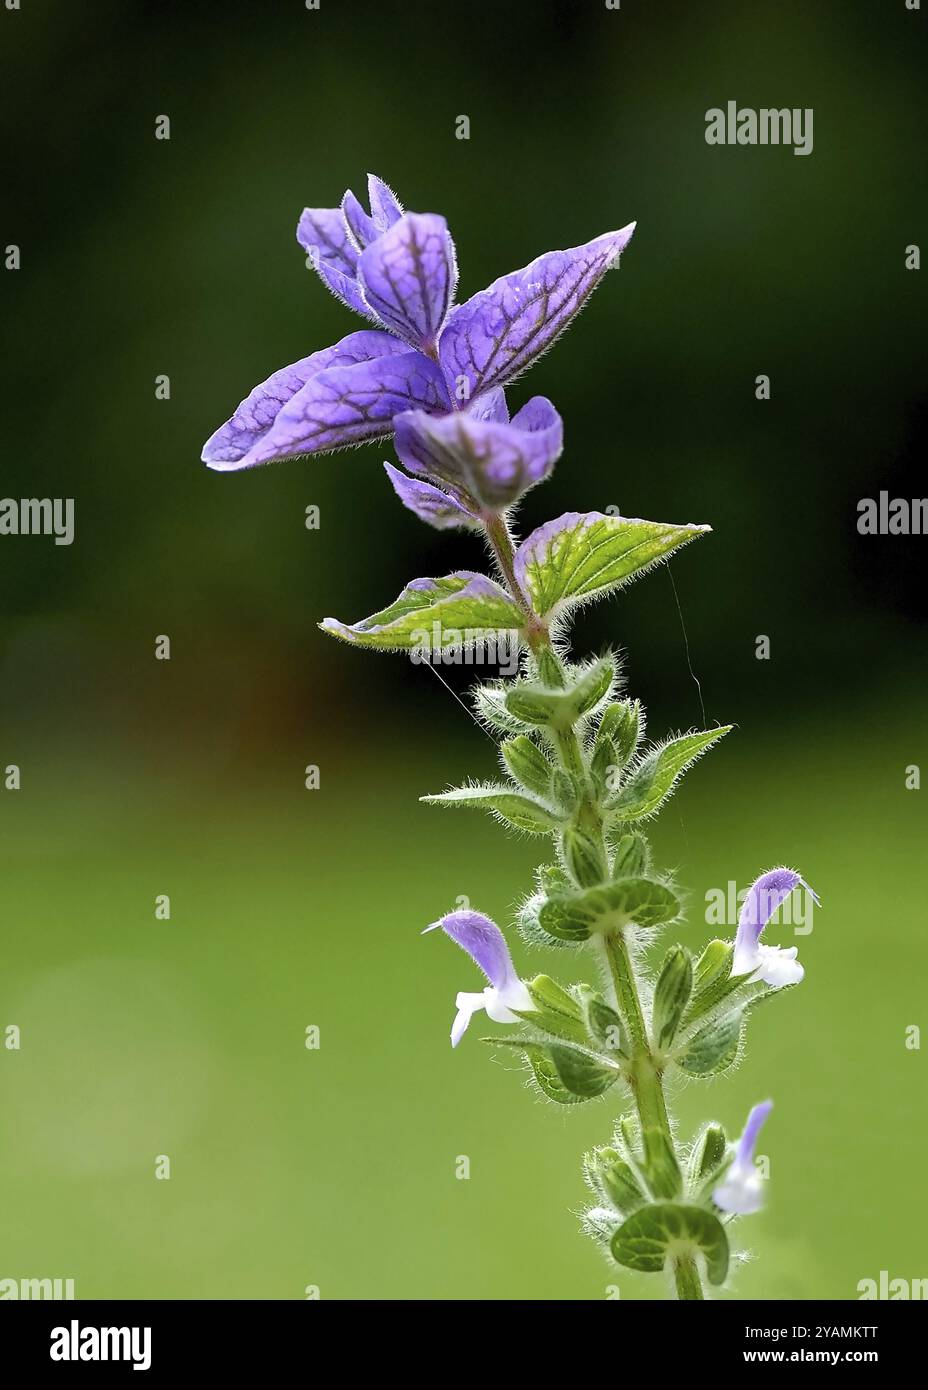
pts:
pixel 646 1077
pixel 687 1278
pixel 500 539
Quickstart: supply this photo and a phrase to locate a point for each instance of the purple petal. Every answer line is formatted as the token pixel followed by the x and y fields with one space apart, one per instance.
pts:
pixel 360 225
pixel 763 898
pixel 429 503
pixel 755 1123
pixel 484 943
pixel 345 289
pixel 408 277
pixel 385 208
pixel 490 406
pixel 231 444
pixel 536 416
pixel 348 405
pixel 323 233
pixel 493 463
pixel 502 330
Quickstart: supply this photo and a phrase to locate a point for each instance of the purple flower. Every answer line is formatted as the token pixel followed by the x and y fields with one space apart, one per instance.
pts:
pixel 776 966
pixel 742 1192
pixel 480 458
pixel 486 945
pixel 399 270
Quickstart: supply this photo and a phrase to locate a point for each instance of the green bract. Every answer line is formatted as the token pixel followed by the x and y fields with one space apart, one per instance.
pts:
pixel 666 1230
pixel 652 780
pixel 522 812
pixel 585 555
pixel 463 610
pixel 611 907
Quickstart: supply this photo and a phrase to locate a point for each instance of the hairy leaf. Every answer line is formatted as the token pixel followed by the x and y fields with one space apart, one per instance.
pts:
pixel 583 555
pixel 657 1231
pixel 714 1048
pixel 609 908
pixel 654 777
pixel 463 609
pixel 516 810
pixel 671 994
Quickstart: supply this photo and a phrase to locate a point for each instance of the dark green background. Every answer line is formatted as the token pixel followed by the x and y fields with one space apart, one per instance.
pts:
pixel 142 257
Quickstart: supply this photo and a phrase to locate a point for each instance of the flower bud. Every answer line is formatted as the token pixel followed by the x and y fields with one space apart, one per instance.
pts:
pixel 584 856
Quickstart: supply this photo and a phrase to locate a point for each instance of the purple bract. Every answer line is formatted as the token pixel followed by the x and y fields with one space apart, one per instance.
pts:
pixel 441 364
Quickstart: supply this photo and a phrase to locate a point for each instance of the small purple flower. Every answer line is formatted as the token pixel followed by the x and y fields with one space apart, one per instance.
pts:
pixel 480 458
pixel 775 965
pixel 399 270
pixel 485 944
pixel 742 1192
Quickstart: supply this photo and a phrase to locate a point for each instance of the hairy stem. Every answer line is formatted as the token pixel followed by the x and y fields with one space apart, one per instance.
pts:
pixel 646 1076
pixel 687 1278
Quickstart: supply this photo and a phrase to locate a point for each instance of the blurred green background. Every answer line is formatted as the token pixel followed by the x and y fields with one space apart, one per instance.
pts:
pixel 336 1167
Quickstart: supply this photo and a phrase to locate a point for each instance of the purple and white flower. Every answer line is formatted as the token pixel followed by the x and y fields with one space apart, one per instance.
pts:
pixel 485 944
pixel 775 965
pixel 423 355
pixel 742 1191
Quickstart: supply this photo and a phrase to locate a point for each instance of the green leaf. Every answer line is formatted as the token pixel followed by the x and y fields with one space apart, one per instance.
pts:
pixel 547 1077
pixel 551 878
pixel 534 704
pixel 632 857
pixel 528 764
pixel 531 930
pixel 584 555
pixel 656 1232
pixel 620 726
pixel 462 609
pixel 564 791
pixel 603 764
pixel 584 856
pixel 603 1023
pixel 614 1179
pixel 581 1074
pixel 672 994
pixel 654 777
pixel 713 981
pixel 548 707
pixel 660 1164
pixel 608 908
pixel 557 1011
pixel 714 1048
pixel 565 1074
pixel 593 685
pixel 490 704
pixel 630 1131
pixel 708 1154
pixel 548 668
pixel 714 964
pixel 518 811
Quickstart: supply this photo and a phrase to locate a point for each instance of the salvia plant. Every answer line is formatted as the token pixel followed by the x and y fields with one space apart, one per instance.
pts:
pixel 575 766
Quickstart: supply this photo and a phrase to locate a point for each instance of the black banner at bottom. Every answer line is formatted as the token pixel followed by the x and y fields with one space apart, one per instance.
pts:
pixel 162 1338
